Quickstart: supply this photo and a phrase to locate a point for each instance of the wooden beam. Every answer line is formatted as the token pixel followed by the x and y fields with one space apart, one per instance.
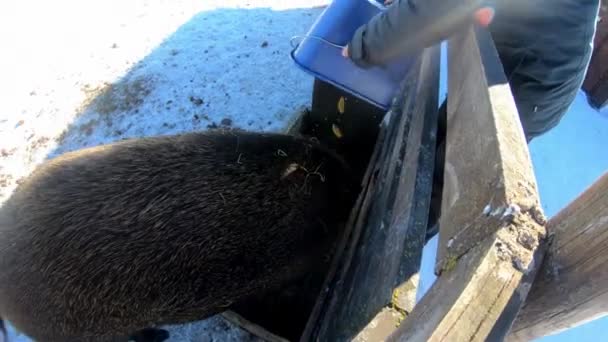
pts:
pixel 488 168
pixel 572 285
pixel 360 302
pixel 491 225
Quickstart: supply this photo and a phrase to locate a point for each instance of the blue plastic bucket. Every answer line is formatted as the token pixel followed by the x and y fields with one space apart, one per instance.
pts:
pixel 337 24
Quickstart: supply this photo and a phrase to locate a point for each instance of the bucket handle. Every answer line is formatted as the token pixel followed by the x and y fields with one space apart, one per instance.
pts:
pixel 377 4
pixel 374 3
pixel 323 40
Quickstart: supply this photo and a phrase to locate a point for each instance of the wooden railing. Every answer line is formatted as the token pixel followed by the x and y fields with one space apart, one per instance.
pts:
pixel 493 235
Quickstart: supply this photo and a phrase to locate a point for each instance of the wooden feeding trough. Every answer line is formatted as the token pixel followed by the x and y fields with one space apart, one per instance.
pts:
pixel 492 236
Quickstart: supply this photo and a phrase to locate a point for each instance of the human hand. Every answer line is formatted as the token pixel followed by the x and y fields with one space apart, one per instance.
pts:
pixel 345 52
pixel 484 16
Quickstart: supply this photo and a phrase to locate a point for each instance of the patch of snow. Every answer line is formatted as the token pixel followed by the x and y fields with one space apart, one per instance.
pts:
pixel 209 331
pixel 512 209
pixel 497 211
pixel 86 73
pixel 487 210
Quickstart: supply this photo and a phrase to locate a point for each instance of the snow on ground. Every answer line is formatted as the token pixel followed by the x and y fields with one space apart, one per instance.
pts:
pixel 82 73
pixel 214 329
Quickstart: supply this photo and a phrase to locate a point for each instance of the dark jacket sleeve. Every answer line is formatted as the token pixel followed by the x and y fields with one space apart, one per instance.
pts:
pixel 406 27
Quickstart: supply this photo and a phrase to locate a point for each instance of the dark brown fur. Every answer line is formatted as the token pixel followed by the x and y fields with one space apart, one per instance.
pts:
pixel 106 241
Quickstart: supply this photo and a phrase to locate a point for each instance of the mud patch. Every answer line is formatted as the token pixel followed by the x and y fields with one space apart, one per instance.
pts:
pixel 5 180
pixel 38 143
pixel 87 127
pixel 7 153
pixel 124 96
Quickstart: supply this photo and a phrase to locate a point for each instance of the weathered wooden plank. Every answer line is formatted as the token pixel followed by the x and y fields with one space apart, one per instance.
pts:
pixel 360 297
pixel 465 301
pixel 491 224
pixel 572 285
pixel 488 171
pixel 412 205
pixel 406 286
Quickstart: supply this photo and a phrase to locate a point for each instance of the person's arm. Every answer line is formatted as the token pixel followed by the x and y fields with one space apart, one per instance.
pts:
pixel 408 26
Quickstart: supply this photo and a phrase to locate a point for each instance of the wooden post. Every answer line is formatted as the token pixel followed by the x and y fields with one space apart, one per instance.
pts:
pixel 491 225
pixel 359 302
pixel 572 285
